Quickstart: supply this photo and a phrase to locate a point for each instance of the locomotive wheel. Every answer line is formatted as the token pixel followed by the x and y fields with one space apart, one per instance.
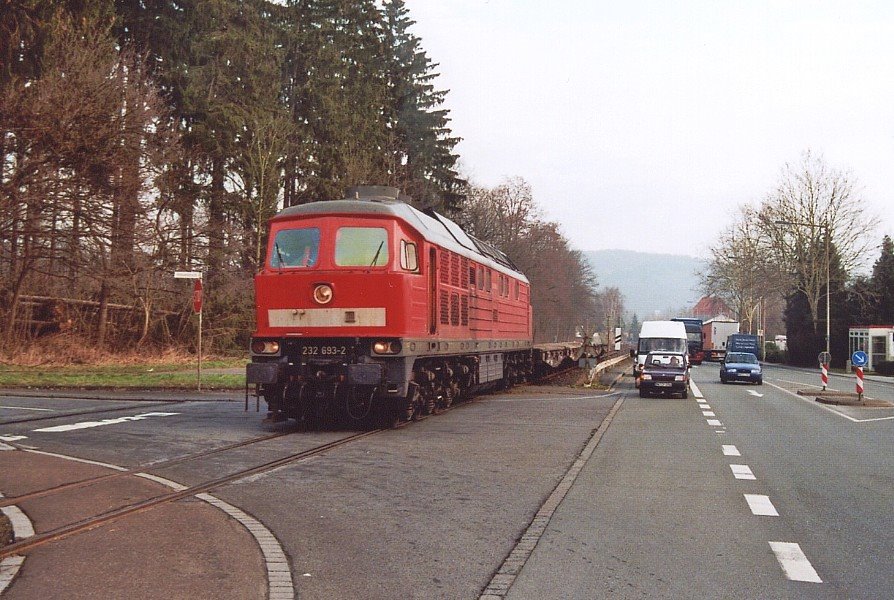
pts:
pixel 413 406
pixel 429 406
pixel 398 410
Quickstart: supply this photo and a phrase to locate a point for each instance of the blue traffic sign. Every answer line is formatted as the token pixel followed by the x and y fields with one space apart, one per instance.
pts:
pixel 859 359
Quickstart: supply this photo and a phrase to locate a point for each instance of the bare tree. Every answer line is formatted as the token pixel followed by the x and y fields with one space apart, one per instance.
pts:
pixel 739 271
pixel 563 287
pixel 814 212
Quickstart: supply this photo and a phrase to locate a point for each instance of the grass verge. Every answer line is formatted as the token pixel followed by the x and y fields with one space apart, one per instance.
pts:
pixel 216 374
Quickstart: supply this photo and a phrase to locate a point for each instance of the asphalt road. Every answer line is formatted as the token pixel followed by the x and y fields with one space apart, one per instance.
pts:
pixel 425 511
pixel 660 513
pixel 434 509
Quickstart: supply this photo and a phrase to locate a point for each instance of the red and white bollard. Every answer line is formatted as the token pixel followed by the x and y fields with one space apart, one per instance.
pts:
pixel 859 382
pixel 825 369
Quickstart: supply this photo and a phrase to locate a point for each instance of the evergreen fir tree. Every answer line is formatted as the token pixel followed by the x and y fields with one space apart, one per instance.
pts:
pixel 423 156
pixel 882 284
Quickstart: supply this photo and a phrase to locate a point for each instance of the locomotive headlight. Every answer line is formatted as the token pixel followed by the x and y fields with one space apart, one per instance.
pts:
pixel 386 347
pixel 265 346
pixel 323 294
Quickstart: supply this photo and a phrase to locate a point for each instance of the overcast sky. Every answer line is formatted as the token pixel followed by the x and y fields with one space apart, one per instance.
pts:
pixel 644 125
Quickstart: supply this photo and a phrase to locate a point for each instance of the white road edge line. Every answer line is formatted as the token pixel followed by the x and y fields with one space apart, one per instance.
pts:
pixel 708 413
pixel 695 391
pixel 730 450
pixel 794 563
pixel 715 423
pixel 827 408
pixel 76 459
pixel 29 408
pixel 760 505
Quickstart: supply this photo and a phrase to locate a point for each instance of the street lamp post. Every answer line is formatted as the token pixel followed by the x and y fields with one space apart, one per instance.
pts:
pixel 828 242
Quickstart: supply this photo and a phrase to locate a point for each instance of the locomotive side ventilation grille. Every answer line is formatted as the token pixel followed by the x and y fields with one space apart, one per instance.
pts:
pixel 464 270
pixel 454 309
pixel 464 311
pixel 445 307
pixel 445 267
pixel 454 270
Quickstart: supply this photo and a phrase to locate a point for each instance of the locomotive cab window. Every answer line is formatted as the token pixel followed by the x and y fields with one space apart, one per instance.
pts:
pixel 361 247
pixel 408 259
pixel 295 248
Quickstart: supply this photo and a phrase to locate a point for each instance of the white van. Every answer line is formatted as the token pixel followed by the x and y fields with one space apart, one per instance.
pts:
pixel 659 336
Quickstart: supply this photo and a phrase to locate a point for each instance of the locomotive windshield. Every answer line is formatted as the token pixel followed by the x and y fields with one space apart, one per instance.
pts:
pixel 361 247
pixel 295 248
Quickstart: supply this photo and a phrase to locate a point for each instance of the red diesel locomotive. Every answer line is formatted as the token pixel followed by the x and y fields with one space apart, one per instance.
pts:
pixel 371 309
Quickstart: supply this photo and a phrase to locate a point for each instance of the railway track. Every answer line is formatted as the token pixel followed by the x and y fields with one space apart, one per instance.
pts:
pixel 9 501
pixel 140 506
pixel 167 498
pixel 79 413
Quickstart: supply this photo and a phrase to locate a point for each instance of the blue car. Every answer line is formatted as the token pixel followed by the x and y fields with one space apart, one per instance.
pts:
pixel 741 366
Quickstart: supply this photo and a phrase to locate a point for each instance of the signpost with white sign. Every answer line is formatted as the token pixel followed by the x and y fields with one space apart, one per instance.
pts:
pixel 197 299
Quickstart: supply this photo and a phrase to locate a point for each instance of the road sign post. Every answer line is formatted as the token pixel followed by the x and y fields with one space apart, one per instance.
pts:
pixel 859 360
pixel 824 359
pixel 197 307
pixel 197 300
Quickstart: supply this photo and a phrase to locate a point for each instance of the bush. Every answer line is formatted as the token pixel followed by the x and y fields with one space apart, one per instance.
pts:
pixel 775 355
pixel 885 367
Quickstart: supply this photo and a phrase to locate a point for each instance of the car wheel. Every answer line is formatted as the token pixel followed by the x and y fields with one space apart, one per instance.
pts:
pixel 759 382
pixel 642 393
pixel 685 394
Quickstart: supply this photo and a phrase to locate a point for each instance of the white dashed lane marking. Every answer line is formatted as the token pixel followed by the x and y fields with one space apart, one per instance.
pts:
pixel 791 558
pixel 742 472
pixel 794 563
pixel 761 505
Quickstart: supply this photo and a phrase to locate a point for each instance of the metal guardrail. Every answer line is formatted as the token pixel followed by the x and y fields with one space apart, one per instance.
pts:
pixel 603 365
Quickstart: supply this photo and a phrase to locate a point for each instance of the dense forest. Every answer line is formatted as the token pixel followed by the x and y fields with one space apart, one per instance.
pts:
pixel 142 137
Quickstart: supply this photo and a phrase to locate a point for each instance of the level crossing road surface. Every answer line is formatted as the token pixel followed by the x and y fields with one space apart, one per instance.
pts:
pixel 739 491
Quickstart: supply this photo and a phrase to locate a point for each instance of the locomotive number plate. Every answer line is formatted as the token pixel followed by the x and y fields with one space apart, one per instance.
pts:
pixel 324 350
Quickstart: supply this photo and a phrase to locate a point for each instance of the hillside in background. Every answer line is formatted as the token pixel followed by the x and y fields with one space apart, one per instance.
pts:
pixel 653 285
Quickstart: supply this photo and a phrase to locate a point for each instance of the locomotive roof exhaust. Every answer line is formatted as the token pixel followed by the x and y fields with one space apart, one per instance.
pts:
pixel 375 193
